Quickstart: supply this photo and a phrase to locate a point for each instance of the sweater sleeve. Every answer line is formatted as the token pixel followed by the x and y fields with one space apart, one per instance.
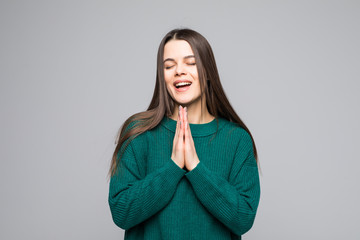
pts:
pixel 133 199
pixel 232 202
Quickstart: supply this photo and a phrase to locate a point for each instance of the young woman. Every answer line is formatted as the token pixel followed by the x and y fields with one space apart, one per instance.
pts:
pixel 186 168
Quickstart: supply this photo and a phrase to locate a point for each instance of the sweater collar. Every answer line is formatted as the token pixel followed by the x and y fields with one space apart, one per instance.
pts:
pixel 197 130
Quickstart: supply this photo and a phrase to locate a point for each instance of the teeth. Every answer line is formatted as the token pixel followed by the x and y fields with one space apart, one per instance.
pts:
pixel 183 84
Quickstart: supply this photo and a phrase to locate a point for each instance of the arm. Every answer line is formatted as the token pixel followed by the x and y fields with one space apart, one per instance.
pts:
pixel 232 202
pixel 133 199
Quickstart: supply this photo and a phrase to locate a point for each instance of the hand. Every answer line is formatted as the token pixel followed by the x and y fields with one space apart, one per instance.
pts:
pixel 178 143
pixel 191 158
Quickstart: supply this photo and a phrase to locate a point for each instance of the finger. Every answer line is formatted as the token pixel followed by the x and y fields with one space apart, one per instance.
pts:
pixel 188 130
pixel 184 121
pixel 181 119
pixel 181 137
pixel 186 127
pixel 185 114
pixel 182 116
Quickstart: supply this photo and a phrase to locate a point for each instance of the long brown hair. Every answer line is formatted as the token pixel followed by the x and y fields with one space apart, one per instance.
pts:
pixel 162 104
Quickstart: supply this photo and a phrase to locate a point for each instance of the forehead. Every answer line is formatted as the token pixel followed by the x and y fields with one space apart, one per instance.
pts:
pixel 177 49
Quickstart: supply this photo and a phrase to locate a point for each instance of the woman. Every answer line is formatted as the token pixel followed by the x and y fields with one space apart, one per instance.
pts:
pixel 187 167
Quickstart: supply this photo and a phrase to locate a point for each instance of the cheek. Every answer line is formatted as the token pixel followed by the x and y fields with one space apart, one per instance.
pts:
pixel 168 81
pixel 167 77
pixel 194 74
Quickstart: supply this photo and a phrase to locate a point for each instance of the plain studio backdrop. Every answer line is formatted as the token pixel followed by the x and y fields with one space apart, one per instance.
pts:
pixel 72 71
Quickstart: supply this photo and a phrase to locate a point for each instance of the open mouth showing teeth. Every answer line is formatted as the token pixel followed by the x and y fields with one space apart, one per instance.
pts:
pixel 183 84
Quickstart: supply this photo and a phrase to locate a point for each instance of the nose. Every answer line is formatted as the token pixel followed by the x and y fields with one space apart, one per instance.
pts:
pixel 180 70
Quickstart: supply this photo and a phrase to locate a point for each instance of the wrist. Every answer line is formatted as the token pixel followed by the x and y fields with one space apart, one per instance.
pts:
pixel 194 166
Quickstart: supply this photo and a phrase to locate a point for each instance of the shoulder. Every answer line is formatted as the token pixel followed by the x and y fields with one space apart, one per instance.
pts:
pixel 235 131
pixel 136 140
pixel 129 124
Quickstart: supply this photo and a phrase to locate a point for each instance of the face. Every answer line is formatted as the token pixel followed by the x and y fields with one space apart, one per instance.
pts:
pixel 180 68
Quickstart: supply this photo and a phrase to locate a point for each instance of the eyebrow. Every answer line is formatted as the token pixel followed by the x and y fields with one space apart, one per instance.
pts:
pixel 186 57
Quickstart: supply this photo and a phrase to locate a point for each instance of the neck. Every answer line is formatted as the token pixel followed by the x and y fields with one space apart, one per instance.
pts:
pixel 195 116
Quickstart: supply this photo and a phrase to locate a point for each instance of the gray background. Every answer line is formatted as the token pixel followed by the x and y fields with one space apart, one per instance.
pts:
pixel 72 71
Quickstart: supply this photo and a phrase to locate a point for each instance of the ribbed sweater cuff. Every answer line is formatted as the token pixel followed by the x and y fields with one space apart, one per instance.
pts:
pixel 175 173
pixel 198 174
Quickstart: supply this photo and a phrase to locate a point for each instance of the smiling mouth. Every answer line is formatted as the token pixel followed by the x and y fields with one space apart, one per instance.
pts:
pixel 182 85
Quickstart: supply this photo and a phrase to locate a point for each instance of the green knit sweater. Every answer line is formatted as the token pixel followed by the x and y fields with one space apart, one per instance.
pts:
pixel 152 198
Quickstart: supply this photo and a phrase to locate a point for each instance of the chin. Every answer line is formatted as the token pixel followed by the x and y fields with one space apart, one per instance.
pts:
pixel 186 102
pixel 184 99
